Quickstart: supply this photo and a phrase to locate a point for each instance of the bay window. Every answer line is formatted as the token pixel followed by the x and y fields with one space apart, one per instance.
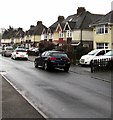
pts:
pixel 102 29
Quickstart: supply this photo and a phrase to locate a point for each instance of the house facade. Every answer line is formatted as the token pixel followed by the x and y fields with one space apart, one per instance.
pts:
pixel 75 28
pixel 27 39
pixel 103 32
pixel 35 34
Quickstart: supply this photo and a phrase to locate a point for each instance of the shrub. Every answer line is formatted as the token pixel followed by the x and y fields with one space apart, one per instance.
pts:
pixel 79 51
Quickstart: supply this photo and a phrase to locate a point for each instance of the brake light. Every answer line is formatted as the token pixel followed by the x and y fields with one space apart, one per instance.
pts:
pixel 16 52
pixel 52 58
pixel 69 59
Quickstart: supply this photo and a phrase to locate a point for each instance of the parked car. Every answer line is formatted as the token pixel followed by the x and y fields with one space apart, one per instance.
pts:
pixel 86 59
pixel 102 62
pixel 7 51
pixel 20 54
pixel 108 55
pixel 33 51
pixel 53 59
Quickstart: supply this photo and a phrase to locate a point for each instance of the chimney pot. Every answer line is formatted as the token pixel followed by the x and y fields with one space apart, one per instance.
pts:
pixel 60 18
pixel 80 10
pixel 39 22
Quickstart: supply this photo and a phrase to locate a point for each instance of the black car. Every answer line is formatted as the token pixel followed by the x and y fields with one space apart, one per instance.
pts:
pixel 53 59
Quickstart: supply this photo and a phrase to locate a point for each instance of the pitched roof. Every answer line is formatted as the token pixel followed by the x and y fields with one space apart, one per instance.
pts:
pixel 78 21
pixel 54 25
pixel 39 29
pixel 108 18
pixel 9 33
pixel 82 20
pixel 19 33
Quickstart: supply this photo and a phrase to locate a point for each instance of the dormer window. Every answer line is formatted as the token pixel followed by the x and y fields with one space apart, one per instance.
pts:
pixel 102 29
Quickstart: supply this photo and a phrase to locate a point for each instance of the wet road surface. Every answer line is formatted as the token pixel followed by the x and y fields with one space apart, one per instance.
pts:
pixel 59 94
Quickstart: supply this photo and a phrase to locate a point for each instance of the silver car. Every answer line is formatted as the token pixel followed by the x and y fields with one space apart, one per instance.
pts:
pixel 7 51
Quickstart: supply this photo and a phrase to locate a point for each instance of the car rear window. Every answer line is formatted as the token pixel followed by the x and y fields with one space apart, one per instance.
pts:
pixel 9 48
pixel 20 50
pixel 59 55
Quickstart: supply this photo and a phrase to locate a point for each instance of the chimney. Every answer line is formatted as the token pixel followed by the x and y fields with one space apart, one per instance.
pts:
pixel 60 18
pixel 39 22
pixel 32 26
pixel 20 29
pixel 80 10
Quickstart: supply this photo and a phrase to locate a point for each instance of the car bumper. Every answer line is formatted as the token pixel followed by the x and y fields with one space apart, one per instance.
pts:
pixel 22 56
pixel 83 62
pixel 58 65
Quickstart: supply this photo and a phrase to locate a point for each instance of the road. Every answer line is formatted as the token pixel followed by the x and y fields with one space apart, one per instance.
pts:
pixel 58 94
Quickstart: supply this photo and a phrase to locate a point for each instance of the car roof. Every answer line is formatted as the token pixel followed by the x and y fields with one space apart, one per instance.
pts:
pixel 55 51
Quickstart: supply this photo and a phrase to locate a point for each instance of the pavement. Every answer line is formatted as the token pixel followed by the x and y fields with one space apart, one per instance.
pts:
pixel 14 106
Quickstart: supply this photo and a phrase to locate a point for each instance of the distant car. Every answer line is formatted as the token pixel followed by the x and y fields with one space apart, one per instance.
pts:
pixel 20 47
pixel 53 59
pixel 7 51
pixel 34 50
pixel 19 54
pixel 86 59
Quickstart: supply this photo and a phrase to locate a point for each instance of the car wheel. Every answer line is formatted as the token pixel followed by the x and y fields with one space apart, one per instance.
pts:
pixel 11 57
pixel 4 55
pixel 45 66
pixel 35 64
pixel 66 69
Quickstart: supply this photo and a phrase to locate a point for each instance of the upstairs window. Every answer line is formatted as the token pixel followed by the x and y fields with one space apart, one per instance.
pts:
pixel 50 36
pixel 61 35
pixel 45 36
pixel 69 34
pixel 102 29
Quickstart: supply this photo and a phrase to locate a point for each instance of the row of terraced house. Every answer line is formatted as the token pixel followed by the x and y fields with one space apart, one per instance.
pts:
pixel 90 30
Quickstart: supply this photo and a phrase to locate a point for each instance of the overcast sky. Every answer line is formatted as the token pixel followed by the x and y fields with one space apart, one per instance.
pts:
pixel 23 13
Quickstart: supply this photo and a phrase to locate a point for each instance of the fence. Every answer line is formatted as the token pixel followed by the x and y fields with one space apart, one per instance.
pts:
pixel 102 64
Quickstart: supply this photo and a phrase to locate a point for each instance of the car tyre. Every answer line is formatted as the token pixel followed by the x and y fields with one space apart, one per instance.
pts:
pixel 35 64
pixel 11 57
pixel 45 66
pixel 66 69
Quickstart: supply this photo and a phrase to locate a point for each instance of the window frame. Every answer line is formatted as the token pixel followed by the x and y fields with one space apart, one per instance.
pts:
pixel 68 34
pixel 102 45
pixel 61 34
pixel 102 29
